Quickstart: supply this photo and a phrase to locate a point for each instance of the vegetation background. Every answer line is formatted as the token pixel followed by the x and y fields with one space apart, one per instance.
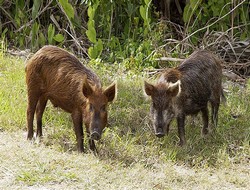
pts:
pixel 123 41
pixel 130 32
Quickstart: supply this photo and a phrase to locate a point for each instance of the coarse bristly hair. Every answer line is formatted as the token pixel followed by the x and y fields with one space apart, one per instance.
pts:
pixel 57 75
pixel 187 90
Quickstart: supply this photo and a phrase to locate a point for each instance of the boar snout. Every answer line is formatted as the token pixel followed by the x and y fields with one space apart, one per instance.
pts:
pixel 159 133
pixel 95 135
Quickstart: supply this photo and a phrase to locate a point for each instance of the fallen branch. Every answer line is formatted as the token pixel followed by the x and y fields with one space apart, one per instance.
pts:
pixel 169 59
pixel 232 76
pixel 77 43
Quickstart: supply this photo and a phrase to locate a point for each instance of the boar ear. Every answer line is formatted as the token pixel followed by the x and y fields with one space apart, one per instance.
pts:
pixel 175 88
pixel 110 92
pixel 148 88
pixel 86 89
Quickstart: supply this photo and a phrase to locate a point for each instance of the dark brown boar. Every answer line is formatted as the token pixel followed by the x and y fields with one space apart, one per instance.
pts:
pixel 186 90
pixel 56 75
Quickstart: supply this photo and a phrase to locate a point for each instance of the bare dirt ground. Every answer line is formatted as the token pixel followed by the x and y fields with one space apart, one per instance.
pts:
pixel 25 165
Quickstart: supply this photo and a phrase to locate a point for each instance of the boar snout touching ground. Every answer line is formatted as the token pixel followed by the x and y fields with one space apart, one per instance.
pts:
pixel 56 75
pixel 186 90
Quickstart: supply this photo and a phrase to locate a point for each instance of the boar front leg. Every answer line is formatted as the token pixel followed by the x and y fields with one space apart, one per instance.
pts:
pixel 77 121
pixel 39 114
pixel 92 145
pixel 181 129
pixel 91 141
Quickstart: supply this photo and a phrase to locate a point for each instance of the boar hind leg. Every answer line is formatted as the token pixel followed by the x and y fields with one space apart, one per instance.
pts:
pixel 39 114
pixel 204 112
pixel 215 109
pixel 181 129
pixel 77 121
pixel 32 102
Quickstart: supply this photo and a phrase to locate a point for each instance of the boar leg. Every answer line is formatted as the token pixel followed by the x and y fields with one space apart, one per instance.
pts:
pixel 204 112
pixel 181 129
pixel 215 109
pixel 39 114
pixel 32 102
pixel 77 121
pixel 92 145
pixel 91 141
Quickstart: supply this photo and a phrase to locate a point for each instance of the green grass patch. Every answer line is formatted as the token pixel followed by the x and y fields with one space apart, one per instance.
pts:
pixel 12 93
pixel 129 138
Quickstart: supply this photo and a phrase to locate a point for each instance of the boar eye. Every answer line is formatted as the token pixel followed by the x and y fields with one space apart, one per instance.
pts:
pixel 104 108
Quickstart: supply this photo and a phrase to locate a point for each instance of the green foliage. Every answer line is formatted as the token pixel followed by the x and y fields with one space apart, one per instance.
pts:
pixel 144 12
pixel 117 31
pixel 190 9
pixel 69 10
pixel 51 33
pixel 91 33
pixel 95 50
pixel 58 38
pixel 35 33
pixel 36 7
pixel 216 15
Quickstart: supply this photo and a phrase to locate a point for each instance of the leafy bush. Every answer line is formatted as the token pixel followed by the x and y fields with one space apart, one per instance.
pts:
pixel 118 31
pixel 226 16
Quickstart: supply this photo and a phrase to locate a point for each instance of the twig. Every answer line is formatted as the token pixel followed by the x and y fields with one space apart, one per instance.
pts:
pixel 169 59
pixel 77 43
pixel 214 21
pixel 111 21
pixel 73 33
pixel 31 21
pixel 235 27
pixel 232 76
pixel 242 52
pixel 153 71
pixel 55 22
pixel 71 25
pixel 232 20
pixel 8 15
pixel 232 48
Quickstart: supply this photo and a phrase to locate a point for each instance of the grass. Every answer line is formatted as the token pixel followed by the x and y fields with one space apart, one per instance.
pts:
pixel 130 156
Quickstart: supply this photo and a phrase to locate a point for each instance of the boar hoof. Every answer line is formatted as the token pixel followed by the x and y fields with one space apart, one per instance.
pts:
pixel 204 132
pixel 181 143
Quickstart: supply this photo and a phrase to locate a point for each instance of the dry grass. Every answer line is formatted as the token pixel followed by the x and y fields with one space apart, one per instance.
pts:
pixel 24 165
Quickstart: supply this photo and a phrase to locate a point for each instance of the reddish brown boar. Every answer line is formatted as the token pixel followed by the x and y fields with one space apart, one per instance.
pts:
pixel 56 75
pixel 186 90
